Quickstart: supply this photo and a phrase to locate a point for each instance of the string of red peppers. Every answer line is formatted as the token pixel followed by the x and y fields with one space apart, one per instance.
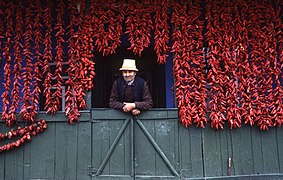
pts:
pixel 138 25
pixel 27 111
pixel 26 134
pixel 108 19
pixel 71 108
pixel 47 58
pixel 85 64
pixel 17 65
pixel 37 32
pixel 8 63
pixel 188 64
pixel 2 5
pixel 57 77
pixel 277 94
pixel 262 58
pixel 161 30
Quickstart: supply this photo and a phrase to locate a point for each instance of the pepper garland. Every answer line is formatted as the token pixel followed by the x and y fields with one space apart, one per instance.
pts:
pixel 37 29
pixel 27 111
pixel 108 18
pixel 138 25
pixel 26 134
pixel 161 30
pixel 189 65
pixel 216 77
pixel 59 28
pixel 231 30
pixel 71 107
pixel 17 66
pixel 47 58
pixel 7 67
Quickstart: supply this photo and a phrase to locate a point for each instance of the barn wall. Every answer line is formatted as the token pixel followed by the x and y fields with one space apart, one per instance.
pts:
pixel 80 151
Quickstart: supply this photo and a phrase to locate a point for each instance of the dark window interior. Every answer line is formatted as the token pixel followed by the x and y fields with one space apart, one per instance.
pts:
pixel 107 70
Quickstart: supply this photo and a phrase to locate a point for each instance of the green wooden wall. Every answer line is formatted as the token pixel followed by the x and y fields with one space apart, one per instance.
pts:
pixel 152 146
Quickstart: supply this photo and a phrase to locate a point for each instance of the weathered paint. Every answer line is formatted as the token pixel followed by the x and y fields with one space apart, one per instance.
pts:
pixel 77 151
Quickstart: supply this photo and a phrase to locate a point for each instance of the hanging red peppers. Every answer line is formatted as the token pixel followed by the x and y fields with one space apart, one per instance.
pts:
pixel 26 134
pixel 59 29
pixel 10 120
pixel 161 30
pixel 189 65
pixel 47 58
pixel 71 107
pixel 27 110
pixel 17 65
pixel 108 18
pixel 243 60
pixel 138 25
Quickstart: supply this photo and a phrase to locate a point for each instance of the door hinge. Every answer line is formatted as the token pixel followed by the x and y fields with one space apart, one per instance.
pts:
pixel 92 171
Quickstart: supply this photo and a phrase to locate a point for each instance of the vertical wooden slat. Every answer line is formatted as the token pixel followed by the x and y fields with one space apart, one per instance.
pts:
pixel 3 154
pixel 42 154
pixel 27 160
pixel 97 137
pixel 257 150
pixel 100 144
pixel 242 153
pixel 224 139
pixel 269 151
pixel 66 151
pixel 83 155
pixel 165 139
pixel 144 151
pixel 279 138
pixel 14 164
pixel 116 161
pixel 196 156
pixel 212 153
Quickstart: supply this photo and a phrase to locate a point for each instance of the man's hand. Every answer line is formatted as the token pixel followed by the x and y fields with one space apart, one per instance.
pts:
pixel 136 112
pixel 129 107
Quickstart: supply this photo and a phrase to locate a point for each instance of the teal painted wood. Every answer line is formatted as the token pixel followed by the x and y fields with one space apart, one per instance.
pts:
pixel 270 153
pixel 241 157
pixel 279 134
pixel 76 151
pixel 211 153
pixel 84 150
pixel 66 149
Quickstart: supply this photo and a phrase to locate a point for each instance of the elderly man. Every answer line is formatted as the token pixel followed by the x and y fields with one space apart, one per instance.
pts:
pixel 130 93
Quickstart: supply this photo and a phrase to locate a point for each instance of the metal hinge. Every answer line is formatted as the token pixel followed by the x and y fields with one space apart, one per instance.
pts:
pixel 92 171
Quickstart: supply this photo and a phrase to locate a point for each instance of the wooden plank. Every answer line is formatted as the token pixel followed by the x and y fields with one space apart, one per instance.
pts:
pixel 116 161
pixel 144 151
pixel 257 150
pixel 84 150
pixel 279 132
pixel 223 136
pixel 269 151
pixel 185 151
pixel 65 150
pixel 61 117
pixel 100 134
pixel 165 139
pixel 246 151
pixel 242 151
pixel 42 154
pixel 196 152
pixel 27 160
pixel 3 154
pixel 14 164
pixel 211 153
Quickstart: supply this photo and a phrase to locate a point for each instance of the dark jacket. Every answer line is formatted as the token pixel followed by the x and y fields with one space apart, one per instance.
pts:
pixel 137 93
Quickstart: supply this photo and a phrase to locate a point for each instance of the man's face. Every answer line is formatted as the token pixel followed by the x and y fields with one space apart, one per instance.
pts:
pixel 129 75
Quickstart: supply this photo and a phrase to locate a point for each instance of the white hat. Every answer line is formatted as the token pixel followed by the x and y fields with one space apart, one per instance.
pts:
pixel 129 64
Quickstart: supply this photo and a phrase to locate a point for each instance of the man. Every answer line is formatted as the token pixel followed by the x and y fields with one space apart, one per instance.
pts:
pixel 130 93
